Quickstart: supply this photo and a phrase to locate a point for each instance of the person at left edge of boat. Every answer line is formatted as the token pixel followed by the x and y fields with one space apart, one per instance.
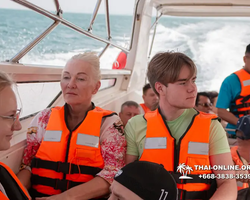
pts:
pixel 10 186
pixel 83 146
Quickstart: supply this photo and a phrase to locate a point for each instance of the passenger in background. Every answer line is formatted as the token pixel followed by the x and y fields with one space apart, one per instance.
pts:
pixel 241 152
pixel 203 103
pixel 75 149
pixel 213 95
pixel 129 109
pixel 234 95
pixel 10 187
pixel 142 180
pixel 150 99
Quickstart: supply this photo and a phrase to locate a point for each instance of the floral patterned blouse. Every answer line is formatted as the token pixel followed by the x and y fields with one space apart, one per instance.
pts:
pixel 112 142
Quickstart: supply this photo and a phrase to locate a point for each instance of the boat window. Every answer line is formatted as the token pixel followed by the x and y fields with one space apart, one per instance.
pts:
pixel 34 97
pixel 23 26
pixel 107 83
pixel 17 29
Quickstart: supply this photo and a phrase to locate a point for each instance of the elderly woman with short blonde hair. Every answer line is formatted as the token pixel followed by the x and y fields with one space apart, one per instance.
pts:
pixel 74 151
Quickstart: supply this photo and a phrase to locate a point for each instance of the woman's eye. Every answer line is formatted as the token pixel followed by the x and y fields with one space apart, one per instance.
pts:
pixel 80 79
pixel 66 77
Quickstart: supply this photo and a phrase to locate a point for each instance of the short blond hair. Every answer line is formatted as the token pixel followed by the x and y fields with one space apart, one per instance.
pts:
pixel 93 59
pixel 5 80
pixel 165 68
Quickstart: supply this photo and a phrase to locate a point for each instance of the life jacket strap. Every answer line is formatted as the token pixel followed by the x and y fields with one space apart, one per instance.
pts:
pixel 66 168
pixel 57 184
pixel 243 105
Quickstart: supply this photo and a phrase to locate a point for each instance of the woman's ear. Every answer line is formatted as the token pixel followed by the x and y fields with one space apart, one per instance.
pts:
pixel 97 86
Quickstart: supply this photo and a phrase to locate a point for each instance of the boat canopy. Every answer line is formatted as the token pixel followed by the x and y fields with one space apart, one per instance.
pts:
pixel 204 8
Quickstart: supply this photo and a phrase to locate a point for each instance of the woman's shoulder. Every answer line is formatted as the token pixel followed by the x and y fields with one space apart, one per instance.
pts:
pixel 41 118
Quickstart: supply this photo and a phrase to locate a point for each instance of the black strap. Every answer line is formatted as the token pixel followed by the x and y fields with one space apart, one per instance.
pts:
pixel 243 98
pixel 64 167
pixel 10 185
pixel 198 195
pixel 243 105
pixel 196 179
pixel 57 184
pixel 246 112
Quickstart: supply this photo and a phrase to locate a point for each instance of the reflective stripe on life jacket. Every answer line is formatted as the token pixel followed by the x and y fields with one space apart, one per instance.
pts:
pixel 237 160
pixel 192 149
pixel 11 184
pixel 242 103
pixel 145 108
pixel 68 158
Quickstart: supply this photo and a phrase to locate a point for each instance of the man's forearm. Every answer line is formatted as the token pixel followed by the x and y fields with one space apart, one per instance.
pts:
pixel 227 116
pixel 97 187
pixel 227 190
pixel 24 177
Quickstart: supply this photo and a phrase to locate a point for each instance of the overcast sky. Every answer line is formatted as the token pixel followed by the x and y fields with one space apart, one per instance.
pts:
pixel 81 6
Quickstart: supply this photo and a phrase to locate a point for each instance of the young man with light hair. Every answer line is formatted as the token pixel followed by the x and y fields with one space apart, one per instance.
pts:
pixel 177 134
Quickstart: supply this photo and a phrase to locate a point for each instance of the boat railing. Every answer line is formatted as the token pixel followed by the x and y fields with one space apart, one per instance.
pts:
pixel 58 19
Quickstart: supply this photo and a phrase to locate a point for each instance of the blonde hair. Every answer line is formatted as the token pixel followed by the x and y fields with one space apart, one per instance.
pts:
pixel 93 59
pixel 165 68
pixel 5 80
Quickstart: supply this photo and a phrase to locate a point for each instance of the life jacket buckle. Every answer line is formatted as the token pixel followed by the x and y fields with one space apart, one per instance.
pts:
pixel 63 167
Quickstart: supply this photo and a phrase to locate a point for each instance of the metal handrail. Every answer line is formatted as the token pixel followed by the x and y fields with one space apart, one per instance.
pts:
pixel 58 8
pixel 153 38
pixel 97 6
pixel 32 44
pixel 133 27
pixel 107 19
pixel 63 21
pixel 102 52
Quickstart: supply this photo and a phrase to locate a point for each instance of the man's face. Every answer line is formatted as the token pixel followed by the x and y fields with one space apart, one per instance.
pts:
pixel 150 99
pixel 128 112
pixel 247 62
pixel 180 94
pixel 204 104
pixel 119 192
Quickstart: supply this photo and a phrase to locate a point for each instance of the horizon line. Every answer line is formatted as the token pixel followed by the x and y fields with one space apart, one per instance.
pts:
pixel 27 9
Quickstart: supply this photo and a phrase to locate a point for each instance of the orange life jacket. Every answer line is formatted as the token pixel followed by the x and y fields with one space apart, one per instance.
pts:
pixel 242 102
pixel 237 160
pixel 68 158
pixel 11 184
pixel 145 108
pixel 192 149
